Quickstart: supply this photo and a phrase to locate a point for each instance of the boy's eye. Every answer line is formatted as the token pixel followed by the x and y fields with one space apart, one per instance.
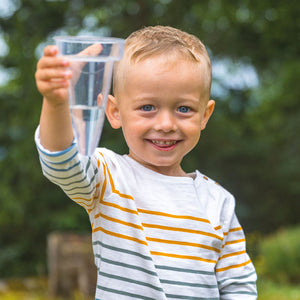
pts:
pixel 184 109
pixel 147 107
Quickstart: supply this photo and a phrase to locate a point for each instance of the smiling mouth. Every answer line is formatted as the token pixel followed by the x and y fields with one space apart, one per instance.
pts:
pixel 165 145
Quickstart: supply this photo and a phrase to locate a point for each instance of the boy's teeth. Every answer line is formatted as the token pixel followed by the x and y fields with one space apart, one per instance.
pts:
pixel 168 143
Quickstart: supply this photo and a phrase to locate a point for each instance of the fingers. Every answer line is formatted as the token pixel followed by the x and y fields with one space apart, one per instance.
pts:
pixel 46 82
pixel 46 87
pixel 92 50
pixel 50 50
pixel 52 67
pixel 52 74
pixel 52 62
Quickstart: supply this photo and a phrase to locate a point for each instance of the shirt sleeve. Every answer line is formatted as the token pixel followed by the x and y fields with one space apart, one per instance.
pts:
pixel 77 175
pixel 234 270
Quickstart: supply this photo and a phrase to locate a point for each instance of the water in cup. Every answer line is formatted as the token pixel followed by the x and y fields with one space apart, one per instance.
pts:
pixel 88 123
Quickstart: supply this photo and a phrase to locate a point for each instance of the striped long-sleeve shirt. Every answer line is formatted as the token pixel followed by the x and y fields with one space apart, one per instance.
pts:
pixel 155 236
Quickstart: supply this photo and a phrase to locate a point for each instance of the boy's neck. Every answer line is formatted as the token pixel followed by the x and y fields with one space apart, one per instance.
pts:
pixel 165 170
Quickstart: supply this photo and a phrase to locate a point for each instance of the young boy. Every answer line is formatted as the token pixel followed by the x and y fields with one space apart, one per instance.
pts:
pixel 158 232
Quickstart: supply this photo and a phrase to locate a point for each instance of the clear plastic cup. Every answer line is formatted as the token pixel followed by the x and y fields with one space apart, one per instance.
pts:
pixel 91 62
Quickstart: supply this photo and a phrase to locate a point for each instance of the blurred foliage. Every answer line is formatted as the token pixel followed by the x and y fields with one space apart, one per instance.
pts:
pixel 268 290
pixel 251 145
pixel 279 258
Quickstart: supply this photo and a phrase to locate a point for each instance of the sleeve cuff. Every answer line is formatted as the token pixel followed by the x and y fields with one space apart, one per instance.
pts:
pixel 54 155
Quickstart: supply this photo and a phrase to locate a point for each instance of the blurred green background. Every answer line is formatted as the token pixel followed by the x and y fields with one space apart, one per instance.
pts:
pixel 251 145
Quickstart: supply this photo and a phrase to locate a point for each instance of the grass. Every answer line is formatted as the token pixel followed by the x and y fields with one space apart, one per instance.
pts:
pixel 36 289
pixel 268 290
pixel 31 289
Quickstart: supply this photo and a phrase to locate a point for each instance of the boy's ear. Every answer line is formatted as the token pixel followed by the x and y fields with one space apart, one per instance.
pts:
pixel 112 112
pixel 207 113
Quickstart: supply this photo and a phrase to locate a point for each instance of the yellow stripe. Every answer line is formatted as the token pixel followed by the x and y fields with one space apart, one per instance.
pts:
pixel 114 190
pixel 131 211
pixel 233 230
pixel 104 183
pixel 183 230
pixel 183 256
pixel 122 236
pixel 158 213
pixel 233 266
pixel 234 242
pixel 182 243
pixel 232 254
pixel 119 221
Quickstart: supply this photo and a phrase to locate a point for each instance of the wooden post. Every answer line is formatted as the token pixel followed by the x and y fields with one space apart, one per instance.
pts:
pixel 71 264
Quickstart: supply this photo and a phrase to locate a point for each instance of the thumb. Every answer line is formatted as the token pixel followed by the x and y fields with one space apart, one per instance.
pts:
pixel 92 50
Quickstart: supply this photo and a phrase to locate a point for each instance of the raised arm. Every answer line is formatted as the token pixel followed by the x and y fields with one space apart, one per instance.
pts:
pixel 52 79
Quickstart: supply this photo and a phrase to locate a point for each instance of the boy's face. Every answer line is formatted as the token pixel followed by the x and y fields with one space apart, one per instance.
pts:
pixel 162 108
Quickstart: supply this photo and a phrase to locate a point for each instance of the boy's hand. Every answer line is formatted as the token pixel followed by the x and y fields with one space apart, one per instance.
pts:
pixel 53 73
pixel 52 76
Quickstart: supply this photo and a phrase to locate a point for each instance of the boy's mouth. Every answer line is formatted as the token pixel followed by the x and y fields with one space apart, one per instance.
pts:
pixel 165 145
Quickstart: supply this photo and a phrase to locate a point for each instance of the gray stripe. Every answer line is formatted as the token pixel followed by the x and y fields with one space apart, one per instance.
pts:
pixel 59 170
pixel 243 283
pixel 77 187
pixel 239 293
pixel 73 182
pixel 70 183
pixel 68 177
pixel 131 281
pixel 185 270
pixel 79 194
pixel 123 293
pixel 64 161
pixel 190 297
pixel 88 165
pixel 209 286
pixel 239 277
pixel 129 266
pixel 122 250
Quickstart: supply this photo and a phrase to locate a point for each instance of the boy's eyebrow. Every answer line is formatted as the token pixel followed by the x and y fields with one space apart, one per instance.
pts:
pixel 155 98
pixel 193 102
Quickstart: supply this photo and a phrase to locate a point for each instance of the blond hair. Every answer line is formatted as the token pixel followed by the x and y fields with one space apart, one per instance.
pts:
pixel 158 40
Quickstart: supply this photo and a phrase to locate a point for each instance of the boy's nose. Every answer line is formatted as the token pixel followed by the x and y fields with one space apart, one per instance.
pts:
pixel 165 121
